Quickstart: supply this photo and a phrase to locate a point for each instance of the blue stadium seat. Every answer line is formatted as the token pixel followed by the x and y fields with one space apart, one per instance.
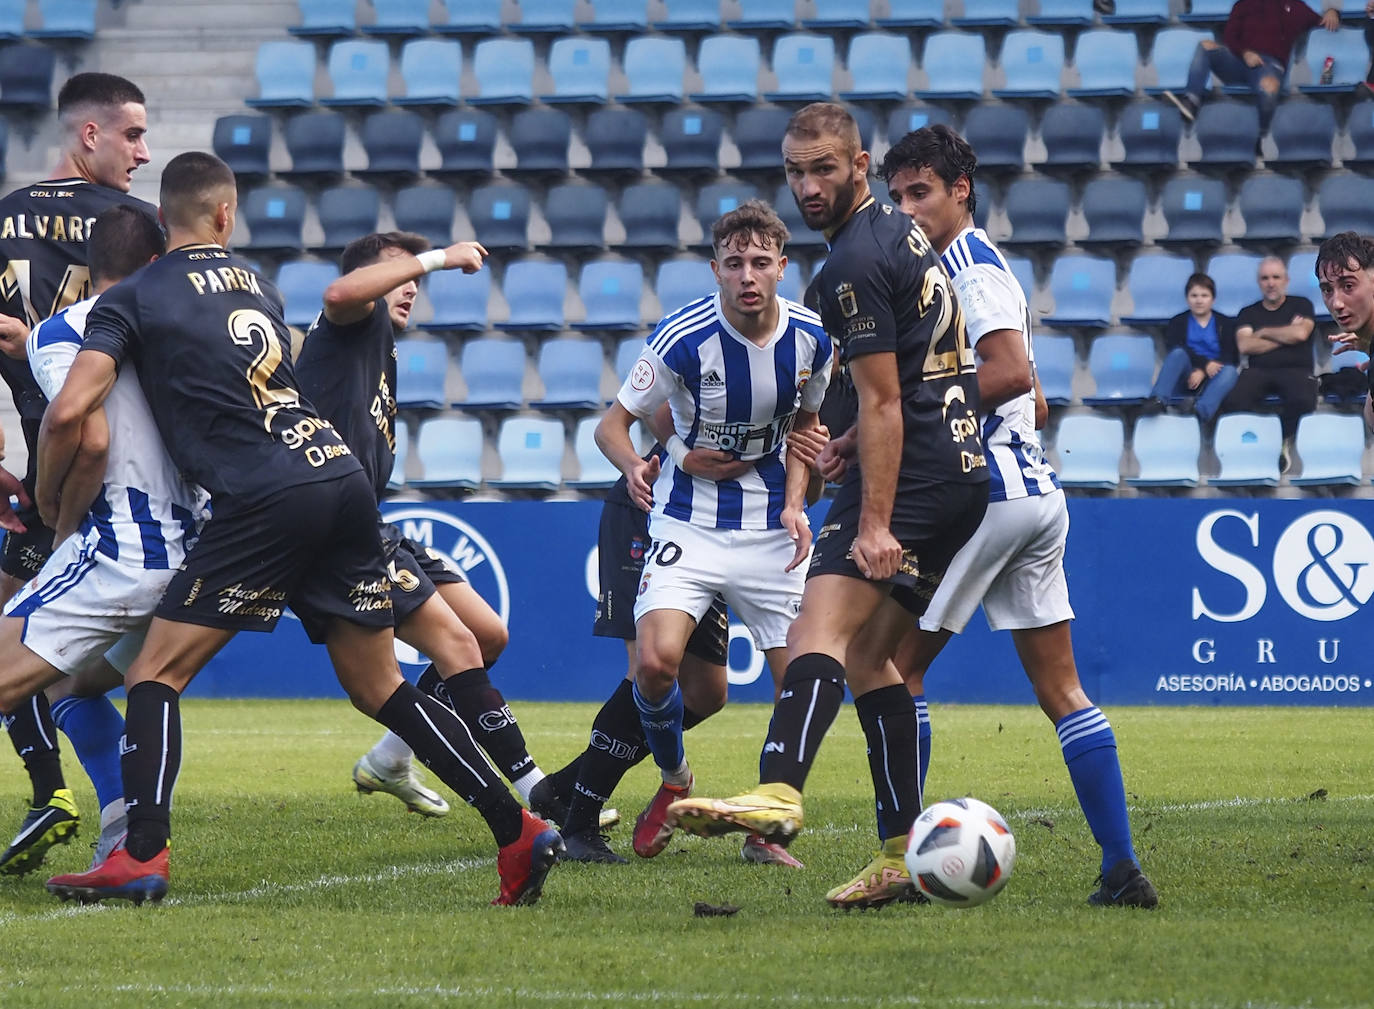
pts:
pixel 275 216
pixel 1349 53
pixel 758 135
pixel 1167 448
pixel 12 20
pixel 680 281
pixel 1331 447
pixel 1055 360
pixel 802 235
pixel 505 72
pixel 531 452
pixel 997 132
pixel 1347 204
pixel 654 69
pixel 466 139
pixel 691 140
pixel 470 17
pixel 1089 450
pixel 1272 207
pixel 326 19
pixel 595 471
pixel 1193 208
pixel 571 372
pixel 1021 267
pixel 1235 275
pixel 450 453
pixel 1247 446
pixel 1062 14
pixel 65 19
pixel 1032 62
pixel 1138 12
pixel 729 69
pixel 913 14
pixel 1228 133
pixel 1207 12
pixel 1156 285
pixel 626 354
pixel 1123 369
pixel 1150 132
pixel 988 14
pixel 615 138
pixel 459 301
pixel 909 118
pixel 1303 133
pixel 1106 62
pixel 421 374
pixel 315 141
pixel 878 63
pixel 1082 288
pixel 551 17
pixel 804 66
pixel 500 215
pixel 1115 211
pixel 610 291
pixel 426 210
pixel 1171 54
pixel 302 285
pixel 1072 133
pixel 401 432
pixel 1037 209
pixel 1302 282
pixel 650 212
pixel 615 16
pixel 690 16
pixel 983 201
pixel 953 63
pixel 358 70
pixel 286 76
pixel 764 15
pixel 534 291
pixel 494 371
pixel 431 70
pixel 540 137
pixel 719 198
pixel 392 141
pixel 576 214
pixel 1360 125
pixel 581 71
pixel 399 18
pixel 346 213
pixel 243 142
pixel 832 14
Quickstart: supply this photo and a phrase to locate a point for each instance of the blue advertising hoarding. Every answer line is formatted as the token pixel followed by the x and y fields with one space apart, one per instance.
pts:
pixel 1179 601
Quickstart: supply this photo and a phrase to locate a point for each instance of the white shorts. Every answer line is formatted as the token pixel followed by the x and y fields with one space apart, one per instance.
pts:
pixel 1013 565
pixel 82 603
pixel 688 564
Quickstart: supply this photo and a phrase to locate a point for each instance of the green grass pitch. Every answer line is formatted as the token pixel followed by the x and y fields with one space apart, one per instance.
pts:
pixel 289 889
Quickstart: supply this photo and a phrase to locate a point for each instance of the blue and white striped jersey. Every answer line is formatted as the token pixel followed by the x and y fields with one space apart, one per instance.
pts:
pixel 992 299
pixel 145 511
pixel 729 394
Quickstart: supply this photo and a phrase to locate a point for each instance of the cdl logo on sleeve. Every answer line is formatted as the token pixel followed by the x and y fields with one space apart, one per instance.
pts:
pixel 1322 566
pixel 460 545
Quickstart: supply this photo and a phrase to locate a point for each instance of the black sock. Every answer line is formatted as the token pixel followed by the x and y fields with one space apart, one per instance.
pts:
pixel 442 742
pixel 617 744
pixel 150 761
pixel 812 692
pixel 484 711
pixel 888 718
pixel 34 737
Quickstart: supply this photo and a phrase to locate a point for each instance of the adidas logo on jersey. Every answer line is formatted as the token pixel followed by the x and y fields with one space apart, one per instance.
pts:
pixel 712 380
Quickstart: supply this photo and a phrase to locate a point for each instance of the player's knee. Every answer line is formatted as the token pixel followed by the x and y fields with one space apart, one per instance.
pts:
pixel 1269 85
pixel 655 672
pixel 492 640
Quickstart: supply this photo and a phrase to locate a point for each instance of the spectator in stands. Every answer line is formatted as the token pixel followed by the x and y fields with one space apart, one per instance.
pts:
pixel 1255 48
pixel 1275 333
pixel 1366 87
pixel 1202 358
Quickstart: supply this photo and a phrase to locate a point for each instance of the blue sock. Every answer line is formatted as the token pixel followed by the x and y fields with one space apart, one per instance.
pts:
pixel 922 741
pixel 662 723
pixel 94 726
pixel 1090 753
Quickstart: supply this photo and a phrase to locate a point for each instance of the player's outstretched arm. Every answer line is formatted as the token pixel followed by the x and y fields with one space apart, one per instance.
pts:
pixel 876 551
pixel 89 381
pixel 351 297
pixel 613 438
pixel 86 476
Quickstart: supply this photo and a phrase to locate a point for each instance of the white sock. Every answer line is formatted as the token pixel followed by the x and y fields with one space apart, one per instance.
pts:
pixel 527 781
pixel 391 752
pixel 110 812
pixel 678 778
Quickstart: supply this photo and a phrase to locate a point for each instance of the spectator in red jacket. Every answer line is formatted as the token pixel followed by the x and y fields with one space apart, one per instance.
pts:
pixel 1255 48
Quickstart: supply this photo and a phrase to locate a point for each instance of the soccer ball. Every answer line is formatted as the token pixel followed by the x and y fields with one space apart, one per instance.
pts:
pixel 960 852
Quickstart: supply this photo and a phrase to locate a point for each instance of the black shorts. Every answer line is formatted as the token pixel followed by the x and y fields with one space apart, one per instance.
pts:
pixel 25 553
pixel 314 547
pixel 414 570
pixel 622 540
pixel 931 523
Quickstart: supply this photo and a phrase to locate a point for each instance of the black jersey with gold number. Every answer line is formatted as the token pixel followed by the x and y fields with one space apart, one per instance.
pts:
pixel 882 290
pixel 43 232
pixel 213 356
pixel 349 375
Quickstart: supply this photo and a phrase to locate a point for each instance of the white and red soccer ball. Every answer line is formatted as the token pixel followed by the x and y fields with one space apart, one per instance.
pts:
pixel 960 852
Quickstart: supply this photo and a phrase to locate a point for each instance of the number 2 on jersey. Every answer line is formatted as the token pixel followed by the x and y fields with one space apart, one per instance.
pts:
pixel 247 327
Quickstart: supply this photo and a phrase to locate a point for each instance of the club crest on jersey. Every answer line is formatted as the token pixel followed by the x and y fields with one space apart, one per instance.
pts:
pixel 849 301
pixel 637 546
